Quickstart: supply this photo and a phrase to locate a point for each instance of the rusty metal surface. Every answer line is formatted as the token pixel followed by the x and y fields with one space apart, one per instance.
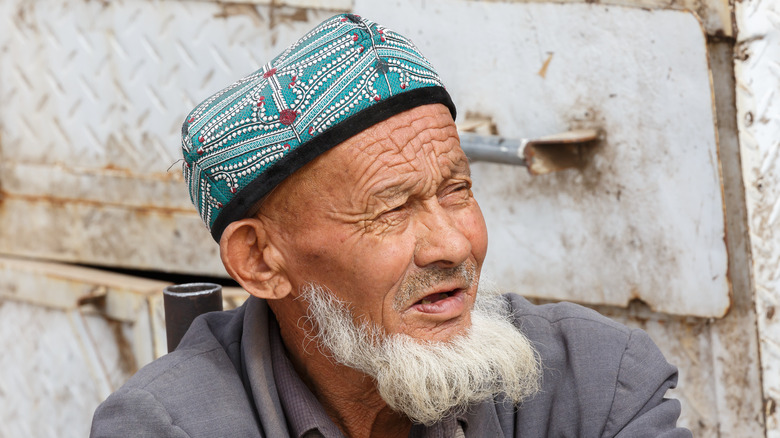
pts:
pixel 715 14
pixel 643 218
pixel 735 338
pixel 70 337
pixel 55 374
pixel 757 69
pixel 94 187
pixel 94 94
pixel 106 80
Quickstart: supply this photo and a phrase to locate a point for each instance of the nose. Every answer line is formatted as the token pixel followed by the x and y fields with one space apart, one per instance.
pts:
pixel 440 241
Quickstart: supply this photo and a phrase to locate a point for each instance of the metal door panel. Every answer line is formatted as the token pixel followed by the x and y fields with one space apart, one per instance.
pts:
pixel 643 218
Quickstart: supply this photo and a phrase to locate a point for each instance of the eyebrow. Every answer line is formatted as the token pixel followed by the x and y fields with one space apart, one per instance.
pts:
pixel 393 192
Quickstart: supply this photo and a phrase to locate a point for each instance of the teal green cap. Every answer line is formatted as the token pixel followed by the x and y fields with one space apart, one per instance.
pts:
pixel 344 76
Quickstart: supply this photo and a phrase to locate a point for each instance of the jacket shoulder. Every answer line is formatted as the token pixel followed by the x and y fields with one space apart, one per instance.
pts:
pixel 599 377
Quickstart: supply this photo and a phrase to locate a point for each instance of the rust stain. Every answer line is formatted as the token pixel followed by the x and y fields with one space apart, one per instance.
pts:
pixel 479 123
pixel 770 312
pixel 280 14
pixel 543 71
pixel 62 201
pixel 127 362
pixel 228 10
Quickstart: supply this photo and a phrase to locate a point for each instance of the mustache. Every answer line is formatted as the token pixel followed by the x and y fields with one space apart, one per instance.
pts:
pixel 423 280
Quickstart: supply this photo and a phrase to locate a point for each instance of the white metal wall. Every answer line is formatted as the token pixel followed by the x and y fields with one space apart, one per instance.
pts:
pixel 93 96
pixel 757 65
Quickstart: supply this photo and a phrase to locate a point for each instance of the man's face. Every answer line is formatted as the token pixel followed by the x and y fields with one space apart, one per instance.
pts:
pixel 378 218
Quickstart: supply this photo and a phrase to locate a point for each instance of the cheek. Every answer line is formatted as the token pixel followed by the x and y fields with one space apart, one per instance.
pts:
pixel 476 231
pixel 385 261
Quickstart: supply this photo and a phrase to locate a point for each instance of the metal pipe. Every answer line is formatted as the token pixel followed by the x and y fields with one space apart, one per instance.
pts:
pixel 493 149
pixel 540 156
pixel 183 303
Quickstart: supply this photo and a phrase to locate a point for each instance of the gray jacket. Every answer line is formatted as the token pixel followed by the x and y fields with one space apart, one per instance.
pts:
pixel 601 379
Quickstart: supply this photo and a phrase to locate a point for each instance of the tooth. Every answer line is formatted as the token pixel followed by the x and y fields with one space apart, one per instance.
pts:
pixel 425 301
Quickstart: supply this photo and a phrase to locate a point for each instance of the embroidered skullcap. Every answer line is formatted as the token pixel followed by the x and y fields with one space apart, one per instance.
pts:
pixel 344 76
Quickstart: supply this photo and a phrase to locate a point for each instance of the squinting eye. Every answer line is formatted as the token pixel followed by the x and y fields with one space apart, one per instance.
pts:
pixel 460 187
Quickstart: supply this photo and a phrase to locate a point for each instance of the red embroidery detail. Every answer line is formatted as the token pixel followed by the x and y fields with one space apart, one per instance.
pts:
pixel 269 73
pixel 292 84
pixel 287 117
pixel 219 205
pixel 354 37
pixel 343 20
pixel 382 39
pixel 361 49
pixel 200 151
pixel 376 98
pixel 403 86
pixel 192 119
pixel 232 190
pixel 295 78
pixel 311 128
pixel 200 139
pixel 286 146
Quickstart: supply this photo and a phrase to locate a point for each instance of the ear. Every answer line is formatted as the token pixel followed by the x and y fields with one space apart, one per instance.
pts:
pixel 252 261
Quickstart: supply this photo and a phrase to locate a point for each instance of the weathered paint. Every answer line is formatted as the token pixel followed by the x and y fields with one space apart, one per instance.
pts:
pixel 108 235
pixel 643 218
pixel 718 358
pixel 64 353
pixel 61 357
pixel 94 95
pixel 757 69
pixel 57 365
pixel 98 189
pixel 715 14
pixel 734 345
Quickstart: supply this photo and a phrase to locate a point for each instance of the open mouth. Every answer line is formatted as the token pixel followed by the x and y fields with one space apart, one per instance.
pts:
pixel 433 298
pixel 443 304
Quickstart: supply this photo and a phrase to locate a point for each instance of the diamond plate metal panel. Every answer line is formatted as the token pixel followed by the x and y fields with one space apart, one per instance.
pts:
pixel 70 337
pixel 56 367
pixel 757 69
pixel 94 95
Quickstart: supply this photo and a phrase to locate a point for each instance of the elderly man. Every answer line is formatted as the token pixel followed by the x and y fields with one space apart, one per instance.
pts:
pixel 334 182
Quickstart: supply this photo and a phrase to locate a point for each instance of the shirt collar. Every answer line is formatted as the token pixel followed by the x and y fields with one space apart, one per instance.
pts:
pixel 301 408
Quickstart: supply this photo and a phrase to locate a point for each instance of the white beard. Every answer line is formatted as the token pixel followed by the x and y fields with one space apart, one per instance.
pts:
pixel 428 380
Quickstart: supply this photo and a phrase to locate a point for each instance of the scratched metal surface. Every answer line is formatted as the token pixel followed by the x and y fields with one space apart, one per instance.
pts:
pixel 644 218
pixel 109 222
pixel 56 367
pixel 757 68
pixel 95 103
pixel 93 98
pixel 64 353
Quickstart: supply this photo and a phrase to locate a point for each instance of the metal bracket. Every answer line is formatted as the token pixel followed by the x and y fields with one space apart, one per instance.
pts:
pixel 543 155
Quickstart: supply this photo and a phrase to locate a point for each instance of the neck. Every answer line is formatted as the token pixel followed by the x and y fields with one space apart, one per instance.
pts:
pixel 348 396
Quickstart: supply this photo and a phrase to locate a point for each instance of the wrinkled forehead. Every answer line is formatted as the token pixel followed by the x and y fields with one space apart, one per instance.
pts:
pixel 415 147
pixel 420 136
